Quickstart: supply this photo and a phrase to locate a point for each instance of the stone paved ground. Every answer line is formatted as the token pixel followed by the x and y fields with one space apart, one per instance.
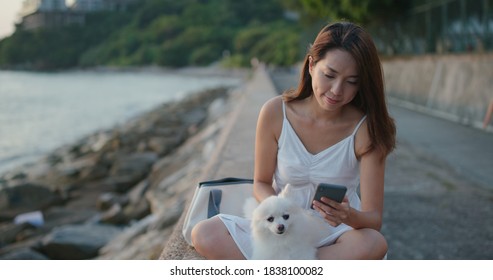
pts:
pixel 431 212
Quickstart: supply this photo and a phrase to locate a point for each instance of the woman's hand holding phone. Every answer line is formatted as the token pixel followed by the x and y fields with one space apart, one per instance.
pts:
pixel 332 204
pixel 333 212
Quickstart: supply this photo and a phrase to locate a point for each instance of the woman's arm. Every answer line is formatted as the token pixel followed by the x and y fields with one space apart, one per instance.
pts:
pixel 268 130
pixel 372 173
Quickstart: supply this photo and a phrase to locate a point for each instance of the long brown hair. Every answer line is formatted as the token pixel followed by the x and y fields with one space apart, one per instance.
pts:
pixel 370 98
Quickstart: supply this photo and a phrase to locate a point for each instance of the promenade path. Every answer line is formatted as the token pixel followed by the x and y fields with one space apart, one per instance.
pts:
pixel 435 207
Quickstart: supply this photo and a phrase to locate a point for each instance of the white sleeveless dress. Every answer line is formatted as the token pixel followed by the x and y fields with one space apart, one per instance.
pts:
pixel 297 174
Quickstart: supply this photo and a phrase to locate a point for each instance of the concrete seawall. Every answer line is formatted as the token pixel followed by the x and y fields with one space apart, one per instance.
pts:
pixel 455 87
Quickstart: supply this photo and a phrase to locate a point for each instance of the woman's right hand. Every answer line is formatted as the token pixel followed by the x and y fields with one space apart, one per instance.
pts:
pixel 333 212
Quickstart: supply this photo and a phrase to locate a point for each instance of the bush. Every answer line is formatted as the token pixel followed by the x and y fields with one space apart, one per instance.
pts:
pixel 235 61
pixel 247 38
pixel 205 55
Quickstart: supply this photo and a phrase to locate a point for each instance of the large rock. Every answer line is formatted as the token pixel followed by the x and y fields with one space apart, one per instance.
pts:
pixel 26 197
pixel 9 232
pixel 58 216
pixel 24 254
pixel 77 242
pixel 108 199
pixel 128 170
pixel 134 163
pixel 124 240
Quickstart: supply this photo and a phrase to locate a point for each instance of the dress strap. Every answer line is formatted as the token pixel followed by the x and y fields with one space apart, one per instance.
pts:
pixel 358 125
pixel 284 109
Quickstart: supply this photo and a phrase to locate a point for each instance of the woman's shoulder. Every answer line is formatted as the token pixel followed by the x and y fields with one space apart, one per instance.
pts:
pixel 273 107
pixel 271 116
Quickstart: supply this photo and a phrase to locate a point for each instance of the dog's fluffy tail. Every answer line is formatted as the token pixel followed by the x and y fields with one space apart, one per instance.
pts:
pixel 250 204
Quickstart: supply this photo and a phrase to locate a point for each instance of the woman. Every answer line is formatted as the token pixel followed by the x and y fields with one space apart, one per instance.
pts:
pixel 489 113
pixel 333 128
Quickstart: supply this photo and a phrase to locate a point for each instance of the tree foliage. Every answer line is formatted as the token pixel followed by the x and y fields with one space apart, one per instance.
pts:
pixel 188 32
pixel 161 32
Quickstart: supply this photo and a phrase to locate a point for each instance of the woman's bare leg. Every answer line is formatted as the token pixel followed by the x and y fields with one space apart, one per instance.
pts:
pixel 212 240
pixel 356 244
pixel 489 113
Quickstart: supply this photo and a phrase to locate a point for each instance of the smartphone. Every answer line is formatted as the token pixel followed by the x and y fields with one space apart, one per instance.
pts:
pixel 331 191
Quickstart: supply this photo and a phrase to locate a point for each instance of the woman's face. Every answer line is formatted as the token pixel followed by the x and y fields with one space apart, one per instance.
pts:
pixel 335 80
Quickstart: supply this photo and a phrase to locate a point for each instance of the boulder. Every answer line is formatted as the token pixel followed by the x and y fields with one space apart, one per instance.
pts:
pixel 194 116
pixel 114 215
pixel 120 184
pixel 124 239
pixel 128 170
pixel 108 199
pixel 24 254
pixel 137 206
pixel 137 210
pixel 169 216
pixel 9 232
pixel 77 242
pixel 58 216
pixel 26 197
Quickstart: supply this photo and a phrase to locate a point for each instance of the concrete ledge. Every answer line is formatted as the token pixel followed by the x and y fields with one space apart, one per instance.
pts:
pixel 454 87
pixel 233 155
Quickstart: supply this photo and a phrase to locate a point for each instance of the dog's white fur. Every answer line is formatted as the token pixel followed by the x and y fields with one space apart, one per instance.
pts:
pixel 283 230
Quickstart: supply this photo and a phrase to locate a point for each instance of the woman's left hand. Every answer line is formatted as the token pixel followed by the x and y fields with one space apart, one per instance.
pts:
pixel 333 212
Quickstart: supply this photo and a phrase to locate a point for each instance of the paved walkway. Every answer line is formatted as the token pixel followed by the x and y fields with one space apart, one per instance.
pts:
pixel 434 206
pixel 237 156
pixel 468 150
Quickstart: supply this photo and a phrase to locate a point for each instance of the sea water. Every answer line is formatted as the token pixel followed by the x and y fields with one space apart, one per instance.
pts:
pixel 42 111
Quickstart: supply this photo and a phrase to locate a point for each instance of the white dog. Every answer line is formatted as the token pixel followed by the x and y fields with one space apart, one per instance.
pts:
pixel 283 230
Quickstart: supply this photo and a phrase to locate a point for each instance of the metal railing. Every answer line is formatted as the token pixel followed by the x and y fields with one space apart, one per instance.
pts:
pixel 439 26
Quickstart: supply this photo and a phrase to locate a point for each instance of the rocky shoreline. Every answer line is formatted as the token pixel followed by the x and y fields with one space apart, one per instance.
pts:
pixel 115 194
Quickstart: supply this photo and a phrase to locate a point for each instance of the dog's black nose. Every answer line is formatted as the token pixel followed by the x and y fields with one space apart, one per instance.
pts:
pixel 280 229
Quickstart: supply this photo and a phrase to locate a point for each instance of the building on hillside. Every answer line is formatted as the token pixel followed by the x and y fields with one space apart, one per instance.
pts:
pixel 51 19
pixel 98 5
pixel 32 6
pixel 86 5
pixel 47 14
pixel 55 13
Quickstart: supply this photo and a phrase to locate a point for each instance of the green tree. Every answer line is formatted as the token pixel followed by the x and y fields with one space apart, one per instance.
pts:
pixel 165 32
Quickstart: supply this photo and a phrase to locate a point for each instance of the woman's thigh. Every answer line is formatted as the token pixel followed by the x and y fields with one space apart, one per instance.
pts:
pixel 212 240
pixel 356 244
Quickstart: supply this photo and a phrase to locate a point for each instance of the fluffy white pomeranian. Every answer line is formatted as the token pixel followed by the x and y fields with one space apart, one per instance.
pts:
pixel 282 230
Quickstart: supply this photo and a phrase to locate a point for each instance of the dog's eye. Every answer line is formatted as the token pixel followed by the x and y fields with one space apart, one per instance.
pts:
pixel 285 217
pixel 270 219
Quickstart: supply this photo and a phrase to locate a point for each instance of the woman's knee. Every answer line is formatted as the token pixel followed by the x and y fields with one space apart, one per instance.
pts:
pixel 378 244
pixel 365 243
pixel 204 235
pixel 199 233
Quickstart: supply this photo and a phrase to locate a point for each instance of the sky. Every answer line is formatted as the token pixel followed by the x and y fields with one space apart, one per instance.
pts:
pixel 8 16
